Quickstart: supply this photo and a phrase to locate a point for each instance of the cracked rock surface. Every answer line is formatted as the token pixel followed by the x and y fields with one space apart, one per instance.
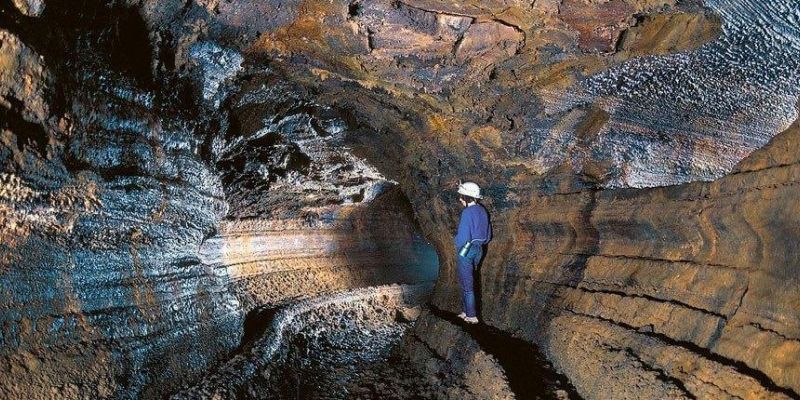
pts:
pixel 320 347
pixel 127 262
pixel 167 167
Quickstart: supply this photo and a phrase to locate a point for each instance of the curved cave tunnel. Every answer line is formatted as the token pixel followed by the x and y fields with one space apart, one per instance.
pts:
pixel 256 199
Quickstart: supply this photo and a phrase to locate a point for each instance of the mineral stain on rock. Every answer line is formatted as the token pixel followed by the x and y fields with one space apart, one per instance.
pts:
pixel 169 170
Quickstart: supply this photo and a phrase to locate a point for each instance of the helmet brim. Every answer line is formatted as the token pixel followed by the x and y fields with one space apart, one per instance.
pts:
pixel 464 192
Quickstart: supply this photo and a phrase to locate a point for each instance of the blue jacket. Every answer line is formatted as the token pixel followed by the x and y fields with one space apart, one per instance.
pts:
pixel 474 226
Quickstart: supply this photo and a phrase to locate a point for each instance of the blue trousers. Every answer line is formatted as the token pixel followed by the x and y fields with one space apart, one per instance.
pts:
pixel 466 268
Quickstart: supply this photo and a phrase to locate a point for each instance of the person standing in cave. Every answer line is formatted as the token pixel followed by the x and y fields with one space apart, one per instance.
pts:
pixel 474 232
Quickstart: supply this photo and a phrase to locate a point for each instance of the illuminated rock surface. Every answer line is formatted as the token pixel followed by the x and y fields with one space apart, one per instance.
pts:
pixel 167 167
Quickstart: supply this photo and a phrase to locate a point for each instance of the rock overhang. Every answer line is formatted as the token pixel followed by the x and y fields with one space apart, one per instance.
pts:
pixel 440 70
pixel 541 102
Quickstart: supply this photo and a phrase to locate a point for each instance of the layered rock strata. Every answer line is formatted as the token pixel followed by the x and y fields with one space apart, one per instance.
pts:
pixel 687 291
pixel 701 274
pixel 269 261
pixel 112 190
pixel 104 204
pixel 114 186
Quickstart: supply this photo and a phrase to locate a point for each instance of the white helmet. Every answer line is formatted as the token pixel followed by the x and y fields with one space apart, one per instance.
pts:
pixel 470 189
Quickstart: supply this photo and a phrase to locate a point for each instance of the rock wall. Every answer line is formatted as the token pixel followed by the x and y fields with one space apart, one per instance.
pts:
pixel 688 290
pixel 613 139
pixel 104 202
pixel 119 275
pixel 566 112
pixel 270 261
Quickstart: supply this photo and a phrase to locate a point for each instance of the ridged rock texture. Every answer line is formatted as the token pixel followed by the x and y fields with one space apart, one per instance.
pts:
pixel 139 224
pixel 261 370
pixel 168 165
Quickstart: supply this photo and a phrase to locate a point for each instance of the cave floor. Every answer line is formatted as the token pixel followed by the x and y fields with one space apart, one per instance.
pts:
pixel 355 362
pixel 352 345
pixel 529 374
pixel 364 358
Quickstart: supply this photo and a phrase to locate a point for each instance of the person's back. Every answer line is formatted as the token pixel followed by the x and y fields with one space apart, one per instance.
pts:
pixel 474 226
pixel 474 231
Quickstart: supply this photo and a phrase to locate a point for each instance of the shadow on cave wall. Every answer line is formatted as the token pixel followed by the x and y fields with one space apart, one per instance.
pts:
pixel 68 32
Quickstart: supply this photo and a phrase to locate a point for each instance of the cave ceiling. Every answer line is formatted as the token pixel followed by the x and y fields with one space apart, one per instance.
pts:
pixel 166 165
pixel 621 93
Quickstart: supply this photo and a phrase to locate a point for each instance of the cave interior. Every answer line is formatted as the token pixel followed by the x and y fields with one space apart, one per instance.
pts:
pixel 257 198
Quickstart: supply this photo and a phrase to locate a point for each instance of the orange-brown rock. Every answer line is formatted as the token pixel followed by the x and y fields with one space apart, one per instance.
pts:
pixel 698 275
pixel 168 165
pixel 269 261
pixel 598 23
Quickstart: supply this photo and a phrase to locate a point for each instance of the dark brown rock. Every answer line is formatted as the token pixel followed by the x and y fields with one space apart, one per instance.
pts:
pixel 638 241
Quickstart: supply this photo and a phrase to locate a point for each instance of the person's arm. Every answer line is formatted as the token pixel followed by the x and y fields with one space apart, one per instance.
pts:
pixel 486 229
pixel 462 235
pixel 489 223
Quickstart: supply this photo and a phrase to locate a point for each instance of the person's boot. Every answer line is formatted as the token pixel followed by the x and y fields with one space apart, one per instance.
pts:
pixel 462 315
pixel 471 320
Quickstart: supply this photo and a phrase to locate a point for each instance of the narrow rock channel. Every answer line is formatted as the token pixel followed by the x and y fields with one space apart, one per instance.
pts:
pixel 529 374
pixel 351 345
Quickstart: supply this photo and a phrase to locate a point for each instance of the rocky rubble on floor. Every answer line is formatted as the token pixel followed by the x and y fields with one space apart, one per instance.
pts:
pixel 114 280
pixel 353 361
pixel 643 197
pixel 332 338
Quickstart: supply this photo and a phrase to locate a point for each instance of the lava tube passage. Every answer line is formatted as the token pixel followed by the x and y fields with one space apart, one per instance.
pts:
pixel 399 199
